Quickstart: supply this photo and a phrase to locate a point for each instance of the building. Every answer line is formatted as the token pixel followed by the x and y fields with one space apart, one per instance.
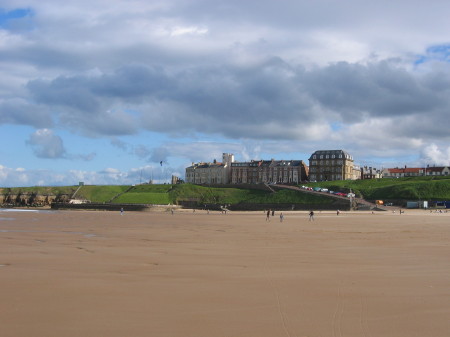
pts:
pixel 437 171
pixel 403 172
pixel 269 172
pixel 370 173
pixel 416 171
pixel 327 165
pixel 210 173
pixel 176 180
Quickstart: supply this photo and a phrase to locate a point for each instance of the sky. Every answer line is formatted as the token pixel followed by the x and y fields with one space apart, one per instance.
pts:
pixel 123 92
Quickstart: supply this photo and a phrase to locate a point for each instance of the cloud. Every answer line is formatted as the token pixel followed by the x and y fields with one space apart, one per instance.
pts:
pixel 435 155
pixel 305 75
pixel 177 31
pixel 275 100
pixel 21 112
pixel 17 177
pixel 46 144
pixel 84 157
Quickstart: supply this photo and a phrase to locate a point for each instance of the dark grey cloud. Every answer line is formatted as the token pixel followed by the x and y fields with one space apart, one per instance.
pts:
pixel 21 112
pixel 376 89
pixel 273 100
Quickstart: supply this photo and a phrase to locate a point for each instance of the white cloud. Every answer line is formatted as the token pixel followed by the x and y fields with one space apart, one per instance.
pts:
pixel 192 30
pixel 46 144
pixel 435 155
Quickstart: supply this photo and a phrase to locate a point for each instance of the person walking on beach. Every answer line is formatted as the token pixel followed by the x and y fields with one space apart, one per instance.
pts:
pixel 311 216
pixel 268 215
pixel 281 217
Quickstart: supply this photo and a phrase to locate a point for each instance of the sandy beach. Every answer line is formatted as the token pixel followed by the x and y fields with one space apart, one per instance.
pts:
pixel 77 273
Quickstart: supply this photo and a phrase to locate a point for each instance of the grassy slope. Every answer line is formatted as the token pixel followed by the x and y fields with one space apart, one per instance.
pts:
pixel 146 194
pixel 99 193
pixel 425 188
pixel 236 195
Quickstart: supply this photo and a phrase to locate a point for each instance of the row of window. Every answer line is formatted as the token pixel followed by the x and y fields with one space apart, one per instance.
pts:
pixel 326 162
pixel 330 156
pixel 325 169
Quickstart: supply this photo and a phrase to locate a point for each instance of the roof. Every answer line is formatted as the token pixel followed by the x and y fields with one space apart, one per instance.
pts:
pixel 436 169
pixel 332 152
pixel 268 163
pixel 406 170
pixel 206 165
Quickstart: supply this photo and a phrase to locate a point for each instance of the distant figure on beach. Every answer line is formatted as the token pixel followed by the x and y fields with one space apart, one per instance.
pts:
pixel 121 211
pixel 281 217
pixel 171 211
pixel 311 216
pixel 338 212
pixel 268 215
pixel 273 213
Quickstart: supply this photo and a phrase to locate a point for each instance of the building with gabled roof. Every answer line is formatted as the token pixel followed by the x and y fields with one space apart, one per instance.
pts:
pixel 269 172
pixel 325 165
pixel 403 172
pixel 370 173
pixel 416 171
pixel 210 173
pixel 437 171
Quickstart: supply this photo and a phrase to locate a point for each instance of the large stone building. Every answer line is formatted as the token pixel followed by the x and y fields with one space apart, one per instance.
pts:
pixel 252 172
pixel 210 173
pixel 332 165
pixel 269 171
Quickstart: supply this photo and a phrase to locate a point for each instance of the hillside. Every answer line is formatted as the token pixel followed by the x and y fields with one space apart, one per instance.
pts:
pixel 413 188
pixel 420 188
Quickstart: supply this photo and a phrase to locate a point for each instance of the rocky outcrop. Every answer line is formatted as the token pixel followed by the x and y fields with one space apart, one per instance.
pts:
pixel 30 199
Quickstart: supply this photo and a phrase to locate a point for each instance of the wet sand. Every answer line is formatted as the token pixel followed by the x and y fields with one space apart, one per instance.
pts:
pixel 96 274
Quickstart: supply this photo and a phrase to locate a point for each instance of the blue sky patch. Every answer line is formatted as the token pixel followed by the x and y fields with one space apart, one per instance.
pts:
pixel 436 53
pixel 15 14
